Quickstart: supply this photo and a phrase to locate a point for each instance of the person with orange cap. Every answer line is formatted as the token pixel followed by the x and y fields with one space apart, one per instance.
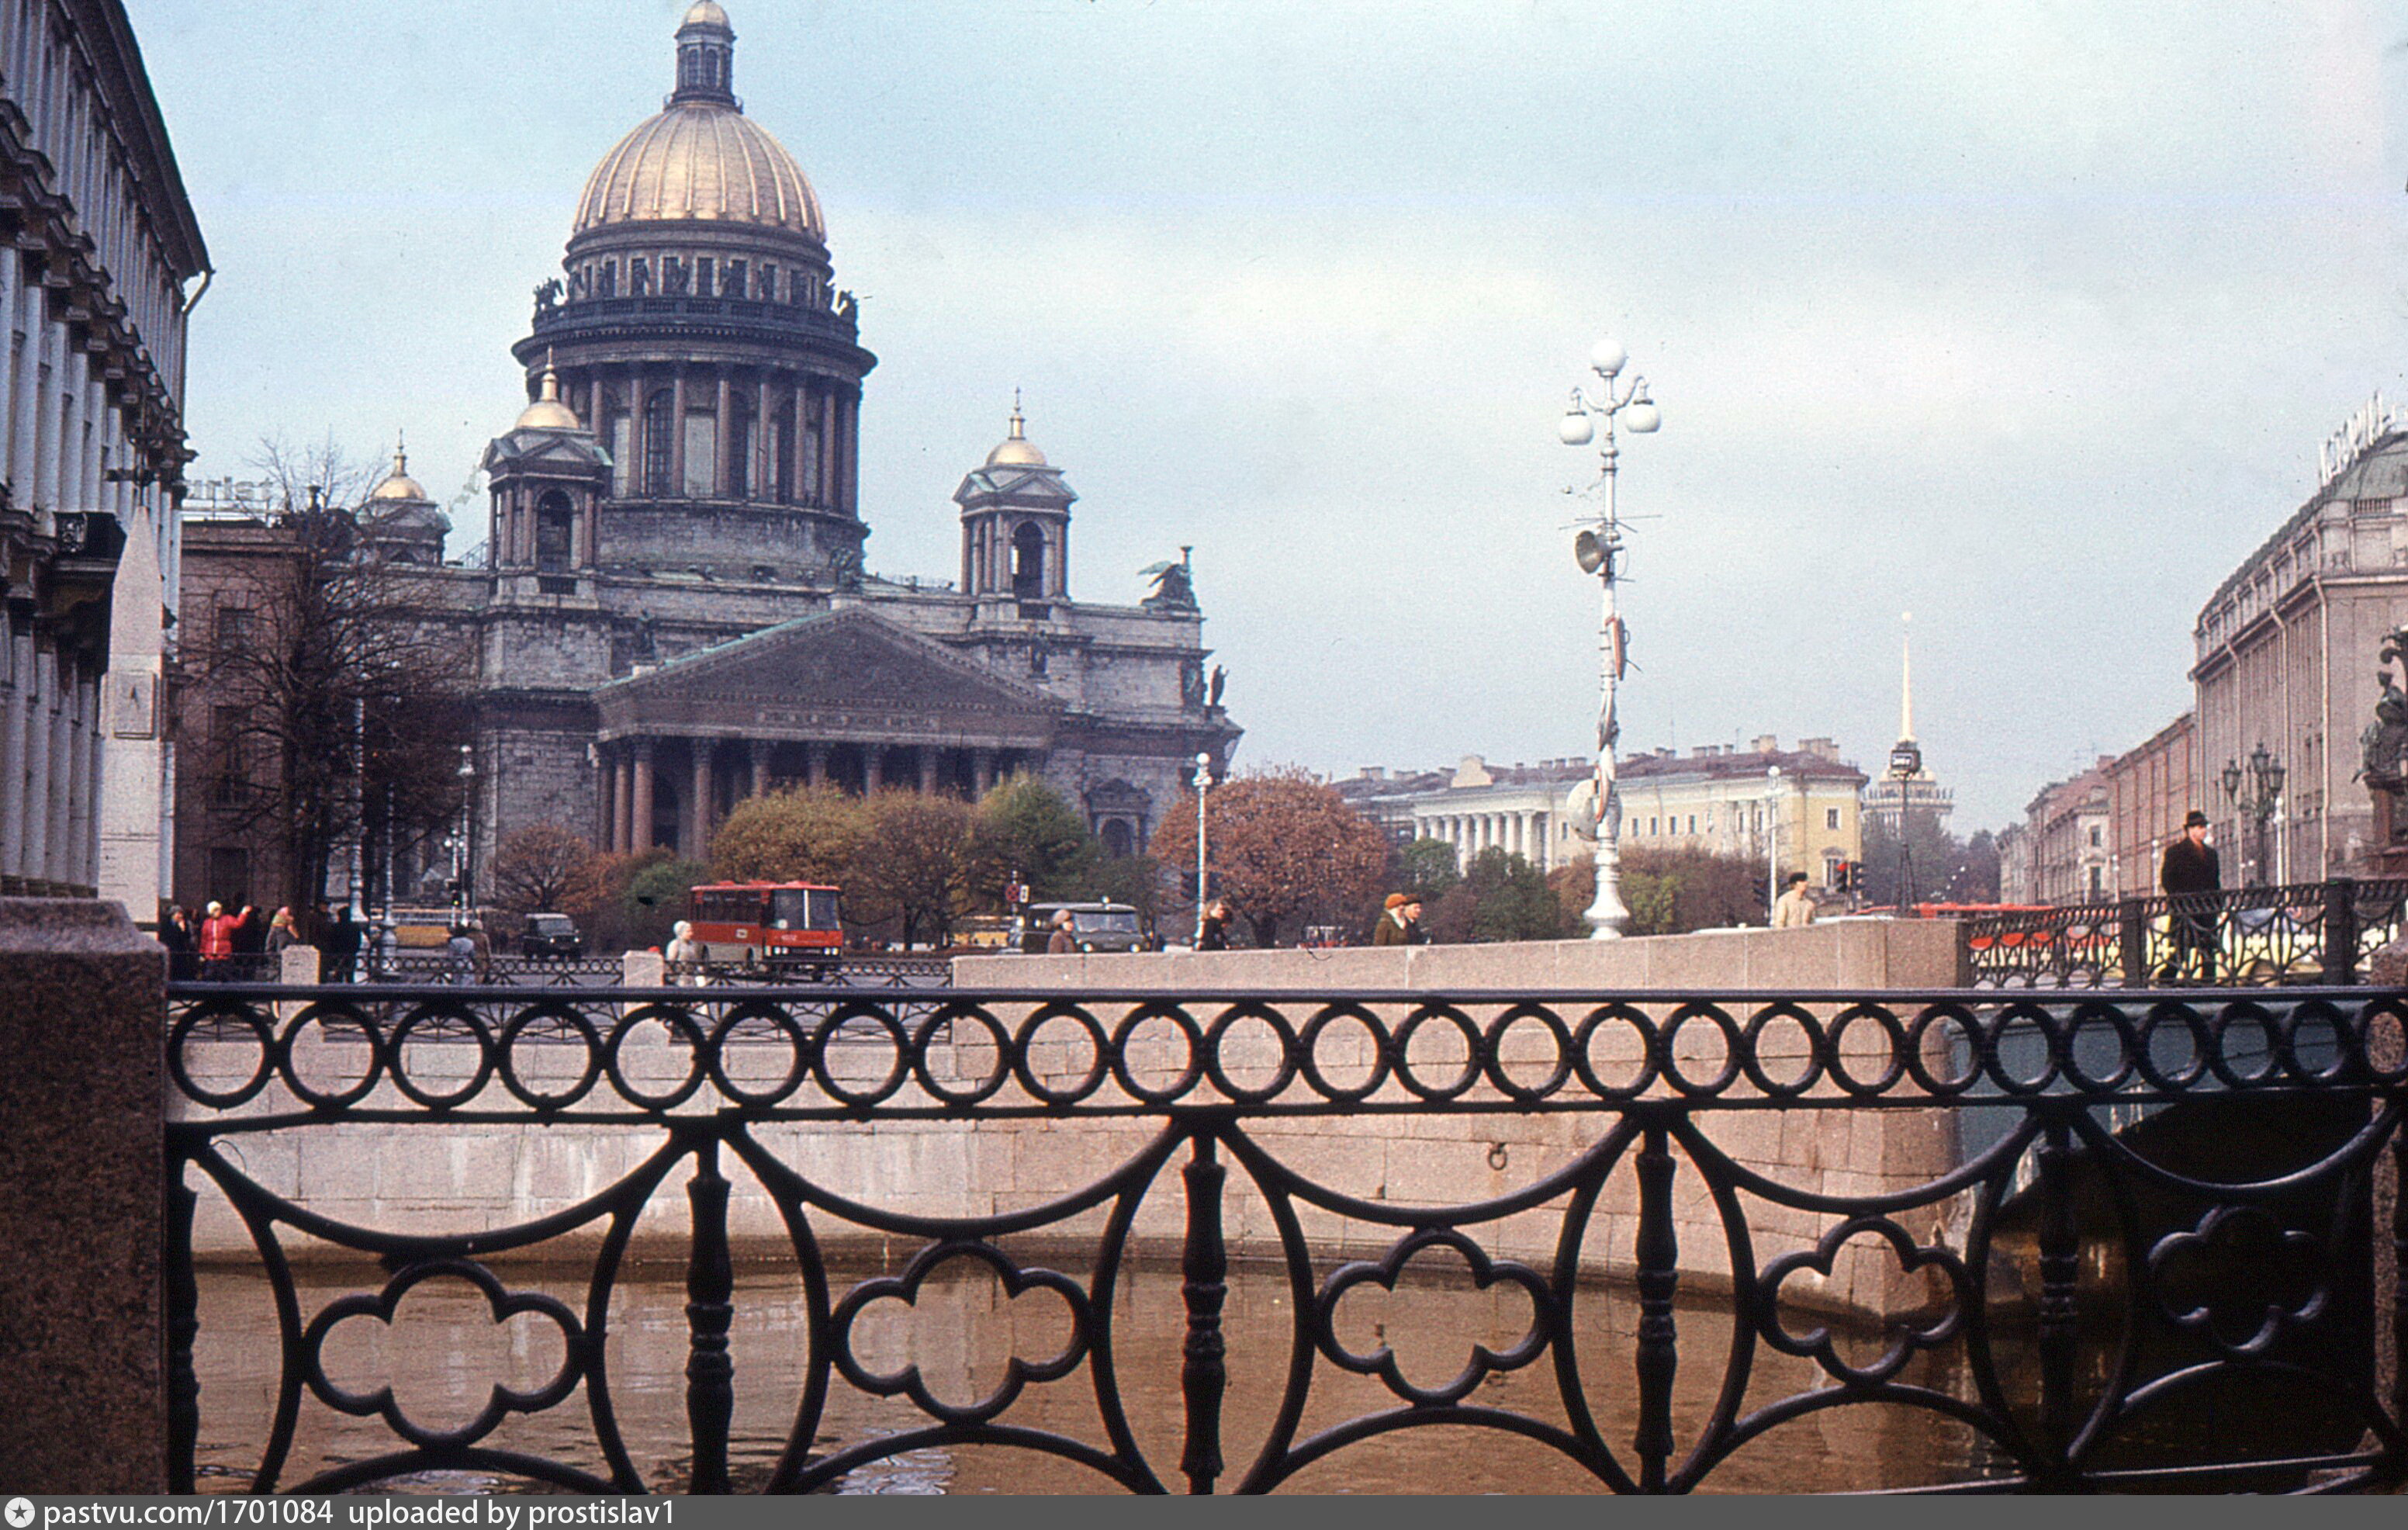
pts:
pixel 1400 923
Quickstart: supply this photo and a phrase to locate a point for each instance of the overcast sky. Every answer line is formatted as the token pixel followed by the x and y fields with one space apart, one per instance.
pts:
pixel 2027 317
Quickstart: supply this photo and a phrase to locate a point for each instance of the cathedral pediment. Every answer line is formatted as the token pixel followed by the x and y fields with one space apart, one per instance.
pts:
pixel 849 675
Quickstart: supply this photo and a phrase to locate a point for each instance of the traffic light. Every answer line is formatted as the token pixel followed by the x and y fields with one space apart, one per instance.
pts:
pixel 1845 875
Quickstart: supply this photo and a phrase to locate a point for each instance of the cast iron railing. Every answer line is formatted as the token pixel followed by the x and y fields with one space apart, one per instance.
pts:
pixel 2319 933
pixel 2065 1288
pixel 421 967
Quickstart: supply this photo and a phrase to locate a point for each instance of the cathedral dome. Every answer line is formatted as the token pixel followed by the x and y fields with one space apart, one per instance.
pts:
pixel 398 484
pixel 548 412
pixel 1016 450
pixel 702 159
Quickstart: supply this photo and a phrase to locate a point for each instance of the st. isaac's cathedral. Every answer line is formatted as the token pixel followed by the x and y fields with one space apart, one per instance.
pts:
pixel 676 614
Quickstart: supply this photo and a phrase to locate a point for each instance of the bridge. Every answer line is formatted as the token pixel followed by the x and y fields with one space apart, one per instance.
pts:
pixel 1640 1233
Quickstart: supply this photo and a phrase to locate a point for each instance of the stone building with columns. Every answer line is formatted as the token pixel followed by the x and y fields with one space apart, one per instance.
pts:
pixel 672 611
pixel 1715 798
pixel 100 244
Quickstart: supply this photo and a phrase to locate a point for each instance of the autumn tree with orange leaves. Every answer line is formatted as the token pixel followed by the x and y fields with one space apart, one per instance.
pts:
pixel 1285 849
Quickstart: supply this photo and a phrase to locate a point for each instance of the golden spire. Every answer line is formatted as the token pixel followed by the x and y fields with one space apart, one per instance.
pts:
pixel 1906 677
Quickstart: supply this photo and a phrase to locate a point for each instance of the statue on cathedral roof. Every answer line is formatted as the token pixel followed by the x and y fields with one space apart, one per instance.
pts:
pixel 1174 583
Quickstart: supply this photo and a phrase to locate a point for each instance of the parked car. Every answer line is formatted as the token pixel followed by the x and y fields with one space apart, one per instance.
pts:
pixel 551 936
pixel 1095 926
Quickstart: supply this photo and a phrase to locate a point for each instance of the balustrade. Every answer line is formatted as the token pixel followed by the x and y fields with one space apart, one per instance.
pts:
pixel 1789 1181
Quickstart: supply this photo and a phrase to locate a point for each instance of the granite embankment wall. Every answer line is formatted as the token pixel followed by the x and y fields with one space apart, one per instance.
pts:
pixel 464 1175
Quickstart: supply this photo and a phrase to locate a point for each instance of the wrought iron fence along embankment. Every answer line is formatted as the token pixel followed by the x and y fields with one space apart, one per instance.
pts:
pixel 2319 933
pixel 2147 1286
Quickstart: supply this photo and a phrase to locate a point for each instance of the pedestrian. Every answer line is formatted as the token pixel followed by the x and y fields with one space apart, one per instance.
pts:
pixel 1400 922
pixel 281 934
pixel 217 944
pixel 1213 932
pixel 1795 909
pixel 342 947
pixel 460 957
pixel 176 933
pixel 2190 877
pixel 1061 942
pixel 684 956
pixel 484 944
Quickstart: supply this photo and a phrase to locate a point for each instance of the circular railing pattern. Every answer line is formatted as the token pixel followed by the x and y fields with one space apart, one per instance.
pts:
pixel 771 1051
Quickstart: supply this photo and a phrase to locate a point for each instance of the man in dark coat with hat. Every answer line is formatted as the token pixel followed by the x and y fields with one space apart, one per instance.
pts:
pixel 2190 875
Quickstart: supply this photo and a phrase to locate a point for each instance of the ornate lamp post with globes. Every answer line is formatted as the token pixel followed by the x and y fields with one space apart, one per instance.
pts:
pixel 2259 803
pixel 1598 551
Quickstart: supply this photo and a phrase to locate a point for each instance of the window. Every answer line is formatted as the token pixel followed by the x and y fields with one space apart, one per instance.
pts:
pixel 2094 841
pixel 659 412
pixel 1830 818
pixel 701 456
pixel 1693 822
pixel 233 626
pixel 739 455
pixel 808 492
pixel 617 433
pixel 781 469
pixel 1027 561
pixel 229 875
pixel 553 525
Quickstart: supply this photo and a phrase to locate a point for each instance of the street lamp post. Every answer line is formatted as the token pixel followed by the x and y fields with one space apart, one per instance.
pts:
pixel 2261 801
pixel 1772 839
pixel 1598 552
pixel 466 860
pixel 1203 784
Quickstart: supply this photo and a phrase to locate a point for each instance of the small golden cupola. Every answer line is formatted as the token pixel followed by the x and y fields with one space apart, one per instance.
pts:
pixel 398 484
pixel 548 412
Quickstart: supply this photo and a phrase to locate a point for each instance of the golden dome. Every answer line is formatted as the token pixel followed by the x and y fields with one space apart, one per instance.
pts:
pixel 548 412
pixel 398 484
pixel 700 160
pixel 1017 449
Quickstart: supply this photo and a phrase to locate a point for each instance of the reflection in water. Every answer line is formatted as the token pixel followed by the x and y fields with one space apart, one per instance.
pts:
pixel 442 1355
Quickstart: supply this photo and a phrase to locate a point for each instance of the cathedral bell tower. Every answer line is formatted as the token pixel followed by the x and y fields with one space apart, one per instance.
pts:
pixel 1015 530
pixel 547 475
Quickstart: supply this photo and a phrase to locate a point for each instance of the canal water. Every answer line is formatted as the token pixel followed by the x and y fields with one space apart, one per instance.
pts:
pixel 442 1353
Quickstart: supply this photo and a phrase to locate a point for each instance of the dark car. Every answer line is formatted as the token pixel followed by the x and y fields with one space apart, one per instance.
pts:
pixel 551 936
pixel 1094 926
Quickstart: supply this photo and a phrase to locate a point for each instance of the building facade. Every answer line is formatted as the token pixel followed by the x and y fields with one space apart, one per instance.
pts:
pixel 2150 790
pixel 1716 798
pixel 672 611
pixel 2063 853
pixel 101 243
pixel 2288 652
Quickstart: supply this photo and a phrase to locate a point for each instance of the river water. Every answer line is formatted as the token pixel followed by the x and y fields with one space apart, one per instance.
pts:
pixel 443 1353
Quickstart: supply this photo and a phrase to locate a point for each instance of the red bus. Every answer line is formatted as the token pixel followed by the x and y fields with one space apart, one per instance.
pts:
pixel 782 925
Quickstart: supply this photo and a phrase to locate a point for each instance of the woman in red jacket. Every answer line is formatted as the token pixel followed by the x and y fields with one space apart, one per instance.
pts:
pixel 217 943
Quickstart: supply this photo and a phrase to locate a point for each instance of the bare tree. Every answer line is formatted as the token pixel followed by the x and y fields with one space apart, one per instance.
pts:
pixel 536 867
pixel 346 690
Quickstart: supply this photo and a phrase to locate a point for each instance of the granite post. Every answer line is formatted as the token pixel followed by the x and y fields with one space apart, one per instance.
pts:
pixel 82 1341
